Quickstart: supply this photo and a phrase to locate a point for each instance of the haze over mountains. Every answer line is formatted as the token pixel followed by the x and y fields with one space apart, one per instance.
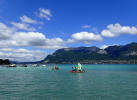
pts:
pixel 113 54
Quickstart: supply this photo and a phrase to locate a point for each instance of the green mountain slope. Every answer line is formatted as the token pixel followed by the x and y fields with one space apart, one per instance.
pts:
pixel 116 54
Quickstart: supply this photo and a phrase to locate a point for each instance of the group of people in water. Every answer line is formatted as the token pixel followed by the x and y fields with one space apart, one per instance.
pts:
pixel 77 69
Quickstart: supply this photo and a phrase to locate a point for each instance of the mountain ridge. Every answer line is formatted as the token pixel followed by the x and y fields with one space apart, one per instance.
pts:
pixel 112 54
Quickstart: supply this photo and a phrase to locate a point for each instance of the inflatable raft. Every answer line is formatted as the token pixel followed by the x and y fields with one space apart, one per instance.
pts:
pixel 73 71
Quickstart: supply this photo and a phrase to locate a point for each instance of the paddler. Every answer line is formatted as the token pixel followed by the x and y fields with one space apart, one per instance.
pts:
pixel 79 67
pixel 54 67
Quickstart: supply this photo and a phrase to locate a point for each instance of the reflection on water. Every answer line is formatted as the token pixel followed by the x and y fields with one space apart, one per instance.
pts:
pixel 99 82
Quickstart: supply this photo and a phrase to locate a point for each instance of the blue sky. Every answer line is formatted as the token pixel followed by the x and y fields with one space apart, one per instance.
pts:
pixel 32 29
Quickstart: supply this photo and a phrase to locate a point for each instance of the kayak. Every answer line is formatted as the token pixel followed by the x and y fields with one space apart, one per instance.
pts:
pixel 73 71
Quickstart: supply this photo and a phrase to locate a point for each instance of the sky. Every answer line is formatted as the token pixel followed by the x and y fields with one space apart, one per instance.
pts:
pixel 32 29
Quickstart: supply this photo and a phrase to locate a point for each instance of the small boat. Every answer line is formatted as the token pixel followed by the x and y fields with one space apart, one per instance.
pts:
pixel 12 65
pixel 43 65
pixel 78 71
pixel 24 65
pixel 35 65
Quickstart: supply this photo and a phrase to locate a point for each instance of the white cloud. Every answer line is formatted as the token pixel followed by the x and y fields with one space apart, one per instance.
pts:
pixel 23 26
pixel 103 46
pixel 26 19
pixel 27 39
pixel 86 26
pixel 33 39
pixel 45 13
pixel 37 39
pixel 5 32
pixel 21 54
pixel 116 30
pixel 7 43
pixel 85 37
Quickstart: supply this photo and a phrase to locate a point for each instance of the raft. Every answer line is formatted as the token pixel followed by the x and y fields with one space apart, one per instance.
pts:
pixel 73 71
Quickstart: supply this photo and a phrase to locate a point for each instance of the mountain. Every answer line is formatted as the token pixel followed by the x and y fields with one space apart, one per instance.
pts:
pixel 112 54
pixel 126 52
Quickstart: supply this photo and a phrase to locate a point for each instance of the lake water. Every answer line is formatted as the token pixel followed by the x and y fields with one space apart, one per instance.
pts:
pixel 99 82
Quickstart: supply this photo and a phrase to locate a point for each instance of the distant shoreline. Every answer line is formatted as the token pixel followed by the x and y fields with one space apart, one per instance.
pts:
pixel 99 62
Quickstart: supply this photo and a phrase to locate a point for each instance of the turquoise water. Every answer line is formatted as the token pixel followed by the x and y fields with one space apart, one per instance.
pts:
pixel 99 82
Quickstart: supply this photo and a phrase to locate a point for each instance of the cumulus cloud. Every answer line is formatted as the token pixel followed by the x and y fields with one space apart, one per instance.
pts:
pixel 116 30
pixel 27 39
pixel 21 54
pixel 37 39
pixel 86 26
pixel 45 13
pixel 7 43
pixel 85 37
pixel 23 26
pixel 5 32
pixel 26 19
pixel 10 37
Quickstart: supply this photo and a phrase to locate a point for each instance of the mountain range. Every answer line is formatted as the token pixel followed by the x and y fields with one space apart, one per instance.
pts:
pixel 120 54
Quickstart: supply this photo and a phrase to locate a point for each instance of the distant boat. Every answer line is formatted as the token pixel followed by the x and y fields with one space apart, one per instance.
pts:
pixel 12 65
pixel 35 65
pixel 43 65
pixel 24 65
pixel 77 69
